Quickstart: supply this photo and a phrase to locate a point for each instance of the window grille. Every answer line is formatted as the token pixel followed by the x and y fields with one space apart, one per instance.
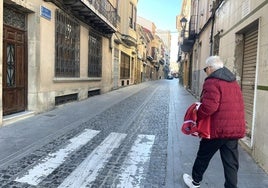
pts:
pixel 14 18
pixel 124 66
pixel 94 92
pixel 11 65
pixel 67 44
pixel 66 98
pixel 94 56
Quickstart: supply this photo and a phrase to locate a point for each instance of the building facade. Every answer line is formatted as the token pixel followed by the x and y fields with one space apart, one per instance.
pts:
pixel 184 52
pixel 55 51
pixel 236 31
pixel 156 53
pixel 125 67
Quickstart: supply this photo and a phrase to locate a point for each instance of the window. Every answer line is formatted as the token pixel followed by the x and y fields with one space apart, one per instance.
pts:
pixel 11 65
pixel 124 66
pixel 132 16
pixel 216 45
pixel 67 44
pixel 94 56
pixel 154 53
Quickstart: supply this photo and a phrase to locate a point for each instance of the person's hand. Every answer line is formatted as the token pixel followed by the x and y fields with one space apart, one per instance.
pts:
pixel 197 105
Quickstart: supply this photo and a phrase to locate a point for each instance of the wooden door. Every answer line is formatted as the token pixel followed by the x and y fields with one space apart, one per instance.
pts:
pixel 14 70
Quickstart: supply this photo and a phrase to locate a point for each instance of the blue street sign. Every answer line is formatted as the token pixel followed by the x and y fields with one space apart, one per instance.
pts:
pixel 45 12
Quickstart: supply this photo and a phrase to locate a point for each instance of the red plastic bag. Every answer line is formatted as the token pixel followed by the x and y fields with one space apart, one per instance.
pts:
pixel 190 125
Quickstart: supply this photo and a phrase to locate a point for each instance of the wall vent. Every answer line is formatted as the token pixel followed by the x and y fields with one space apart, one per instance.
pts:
pixel 94 92
pixel 66 99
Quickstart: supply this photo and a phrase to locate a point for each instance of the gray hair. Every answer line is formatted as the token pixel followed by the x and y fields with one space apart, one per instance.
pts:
pixel 215 62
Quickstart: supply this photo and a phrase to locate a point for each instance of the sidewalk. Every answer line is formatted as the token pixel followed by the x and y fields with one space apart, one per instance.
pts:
pixel 184 149
pixel 20 138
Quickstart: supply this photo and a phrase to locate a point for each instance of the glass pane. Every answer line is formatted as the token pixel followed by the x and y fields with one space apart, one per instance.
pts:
pixel 10 65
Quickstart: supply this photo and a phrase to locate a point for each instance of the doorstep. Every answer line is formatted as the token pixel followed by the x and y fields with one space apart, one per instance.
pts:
pixel 8 119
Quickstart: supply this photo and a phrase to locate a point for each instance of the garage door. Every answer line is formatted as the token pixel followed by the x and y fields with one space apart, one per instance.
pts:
pixel 249 74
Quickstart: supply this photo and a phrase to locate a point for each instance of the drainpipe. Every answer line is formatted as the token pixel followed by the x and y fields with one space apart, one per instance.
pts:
pixel 214 8
pixel 212 30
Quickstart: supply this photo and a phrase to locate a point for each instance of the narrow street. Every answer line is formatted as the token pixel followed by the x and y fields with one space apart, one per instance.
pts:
pixel 125 138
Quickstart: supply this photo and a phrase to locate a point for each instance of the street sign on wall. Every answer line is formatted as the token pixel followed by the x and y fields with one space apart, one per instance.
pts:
pixel 45 12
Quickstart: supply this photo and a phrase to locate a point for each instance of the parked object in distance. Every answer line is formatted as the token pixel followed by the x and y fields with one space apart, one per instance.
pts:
pixel 169 77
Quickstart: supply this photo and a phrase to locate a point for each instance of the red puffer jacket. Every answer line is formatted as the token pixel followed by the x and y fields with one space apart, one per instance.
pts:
pixel 222 99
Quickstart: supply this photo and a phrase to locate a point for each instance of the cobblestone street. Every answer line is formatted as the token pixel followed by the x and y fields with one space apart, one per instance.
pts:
pixel 143 113
pixel 131 139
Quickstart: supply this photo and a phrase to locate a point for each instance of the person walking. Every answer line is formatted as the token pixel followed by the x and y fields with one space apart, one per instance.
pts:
pixel 222 100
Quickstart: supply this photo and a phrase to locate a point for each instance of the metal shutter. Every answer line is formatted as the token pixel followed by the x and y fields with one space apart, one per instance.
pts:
pixel 248 75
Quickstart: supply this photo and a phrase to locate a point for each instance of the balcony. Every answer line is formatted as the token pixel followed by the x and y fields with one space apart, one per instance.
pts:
pixel 190 35
pixel 150 58
pixel 192 27
pixel 187 45
pixel 100 15
pixel 162 61
pixel 130 41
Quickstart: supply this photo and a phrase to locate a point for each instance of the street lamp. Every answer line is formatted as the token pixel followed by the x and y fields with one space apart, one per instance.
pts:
pixel 181 66
pixel 183 26
pixel 183 22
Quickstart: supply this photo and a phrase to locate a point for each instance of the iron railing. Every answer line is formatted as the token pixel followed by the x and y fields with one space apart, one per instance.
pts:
pixel 105 8
pixel 192 27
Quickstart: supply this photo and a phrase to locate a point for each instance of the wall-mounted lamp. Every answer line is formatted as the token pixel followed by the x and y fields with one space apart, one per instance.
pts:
pixel 183 23
pixel 183 26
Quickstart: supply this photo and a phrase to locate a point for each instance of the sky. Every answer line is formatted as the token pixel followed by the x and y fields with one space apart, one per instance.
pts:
pixel 163 14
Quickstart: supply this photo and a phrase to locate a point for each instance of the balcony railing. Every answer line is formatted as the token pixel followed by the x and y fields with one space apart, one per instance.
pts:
pixel 192 27
pixel 188 36
pixel 101 15
pixel 105 8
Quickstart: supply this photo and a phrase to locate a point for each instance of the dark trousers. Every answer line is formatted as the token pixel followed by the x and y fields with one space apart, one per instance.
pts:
pixel 229 156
